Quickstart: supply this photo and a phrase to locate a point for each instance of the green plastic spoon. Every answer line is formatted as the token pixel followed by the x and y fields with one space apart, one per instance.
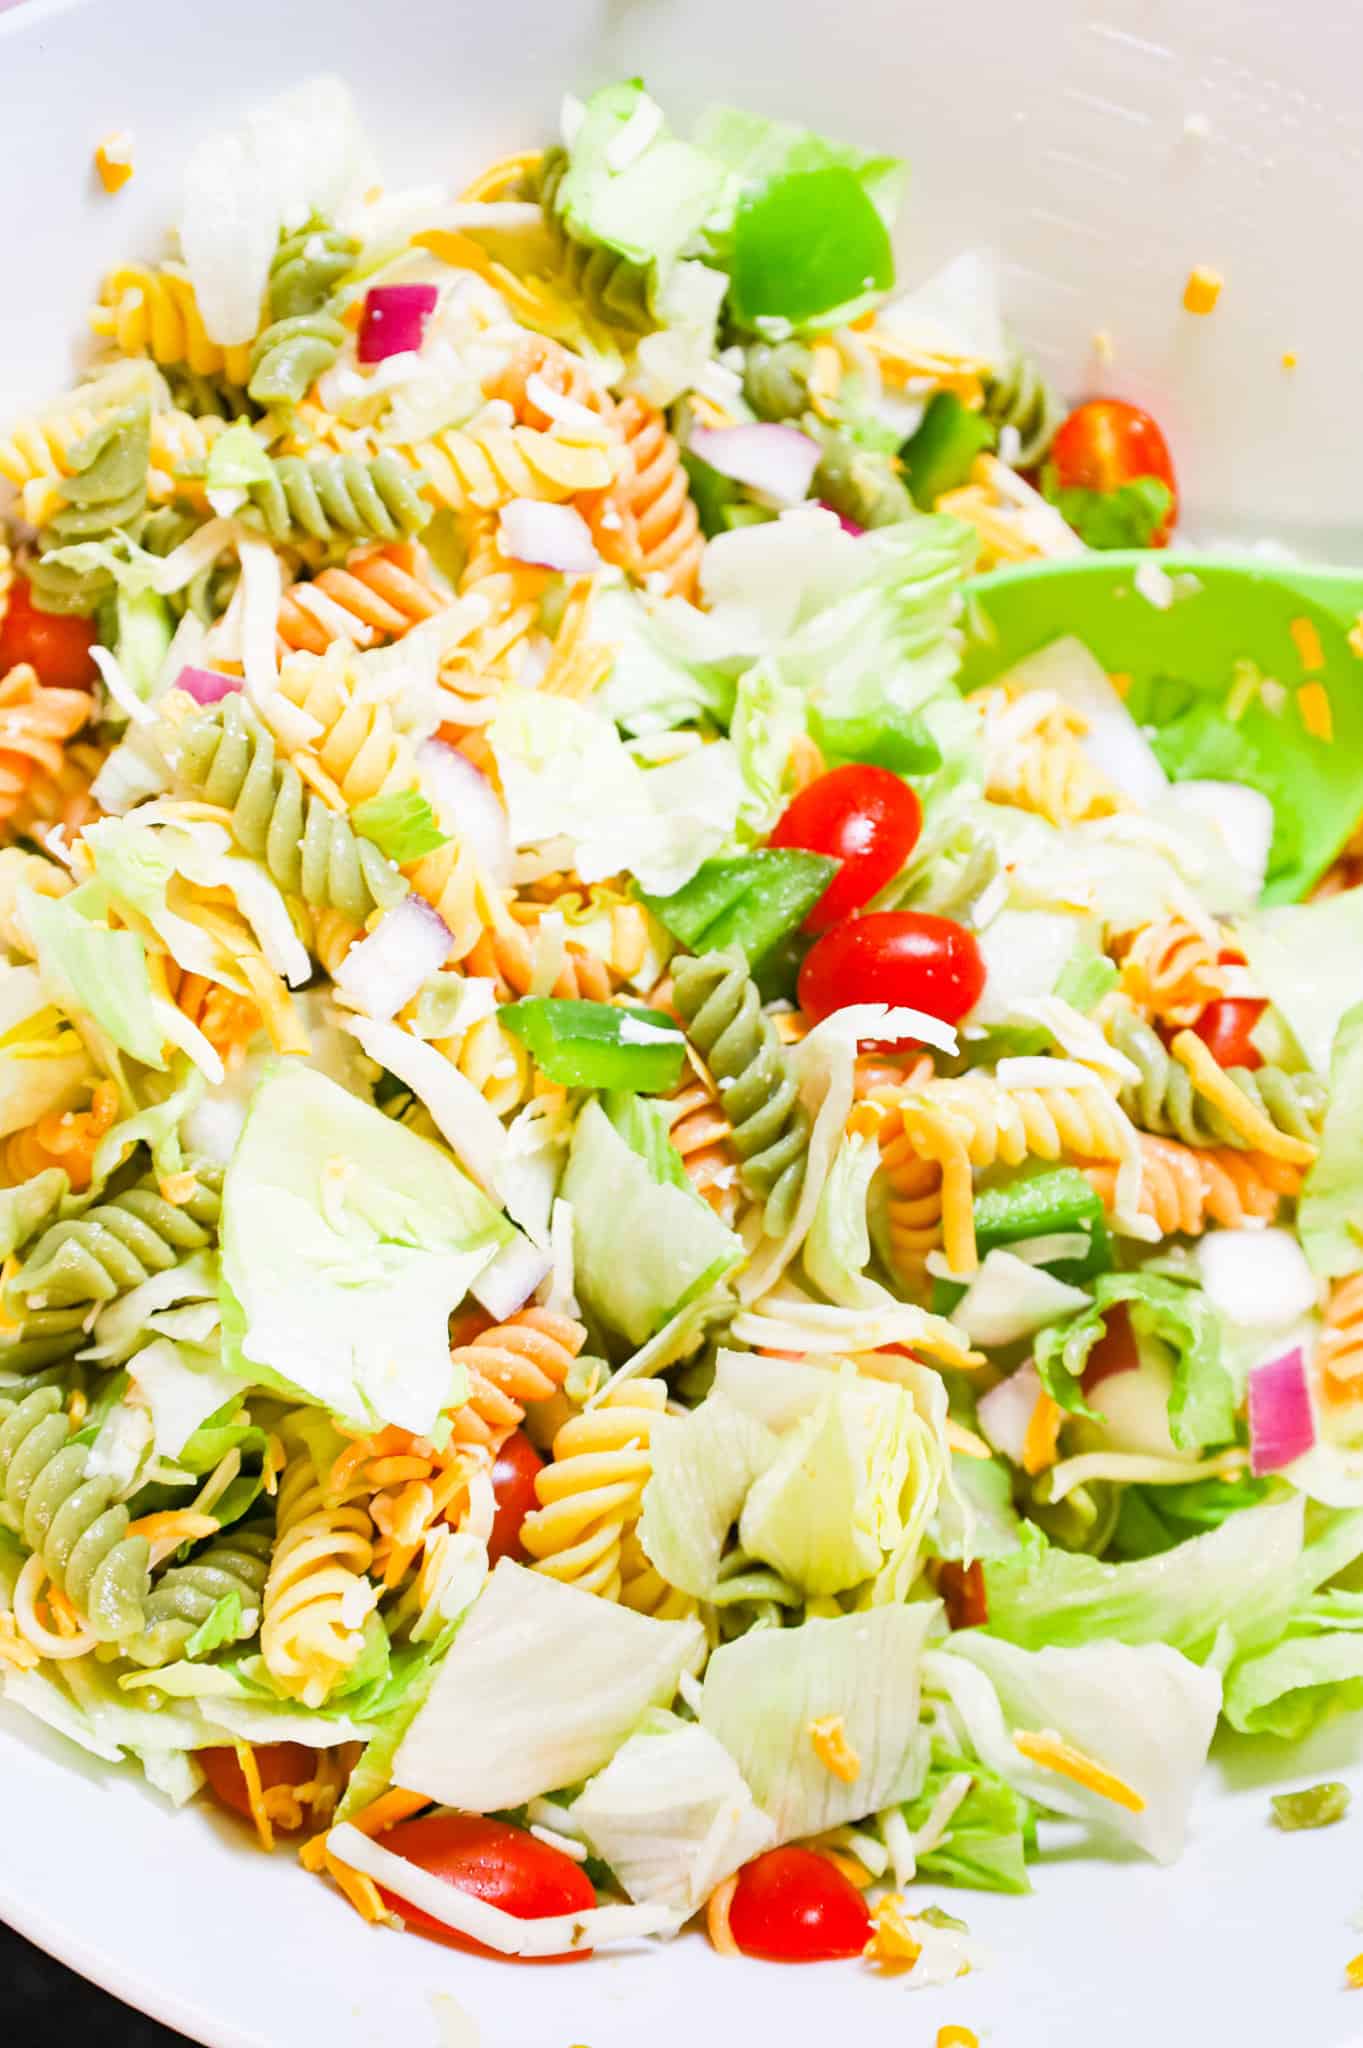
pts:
pixel 1240 633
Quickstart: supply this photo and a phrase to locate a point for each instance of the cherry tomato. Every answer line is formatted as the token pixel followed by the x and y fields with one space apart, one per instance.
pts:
pixel 863 816
pixel 493 1861
pixel 279 1763
pixel 57 646
pixel 513 1483
pixel 1107 443
pixel 1116 1350
pixel 1224 1029
pixel 793 1906
pixel 894 956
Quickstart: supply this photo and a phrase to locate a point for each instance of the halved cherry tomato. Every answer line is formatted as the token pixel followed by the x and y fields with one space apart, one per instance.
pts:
pixel 863 816
pixel 1116 1350
pixel 1224 1028
pixel 1107 443
pixel 58 646
pixel 794 1906
pixel 279 1763
pixel 513 1483
pixel 493 1861
pixel 894 956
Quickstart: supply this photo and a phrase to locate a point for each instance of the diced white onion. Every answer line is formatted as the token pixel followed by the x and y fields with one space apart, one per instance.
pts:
pixel 407 946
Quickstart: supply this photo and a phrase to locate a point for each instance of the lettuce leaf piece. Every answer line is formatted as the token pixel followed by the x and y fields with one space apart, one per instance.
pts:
pixel 347 1241
pixel 703 1465
pixel 567 774
pixel 670 1814
pixel 1152 1519
pixel 1128 516
pixel 1330 1211
pixel 142 637
pixel 401 824
pixel 643 1244
pixel 1202 1398
pixel 768 718
pixel 1244 1575
pixel 762 1692
pixel 992 1831
pixel 654 684
pixel 1144 1713
pixel 1314 1671
pixel 1304 958
pixel 96 970
pixel 491 1734
pixel 646 205
pixel 44 1064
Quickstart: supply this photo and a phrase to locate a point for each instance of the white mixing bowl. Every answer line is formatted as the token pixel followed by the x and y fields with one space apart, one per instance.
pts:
pixel 1103 158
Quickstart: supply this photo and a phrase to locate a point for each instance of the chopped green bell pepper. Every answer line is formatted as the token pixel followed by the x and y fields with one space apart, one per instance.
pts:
pixel 745 901
pixel 807 245
pixel 599 1045
pixel 937 456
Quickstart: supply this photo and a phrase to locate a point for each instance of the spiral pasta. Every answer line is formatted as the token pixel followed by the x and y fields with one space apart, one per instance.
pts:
pixel 776 378
pixel 360 753
pixel 6 579
pixel 975 1122
pixel 648 523
pixel 723 1015
pixel 560 371
pixel 481 467
pixel 43 451
pixel 1268 1110
pixel 227 758
pixel 378 593
pixel 104 493
pixel 303 337
pixel 1035 758
pixel 72 1522
pixel 860 484
pixel 614 289
pixel 65 1138
pixel 497 1064
pixel 349 496
pixel 36 720
pixel 227 1019
pixel 591 1493
pixel 1171 970
pixel 1018 396
pixel 316 1596
pixel 155 313
pixel 702 1135
pixel 909 1189
pixel 117 1244
pixel 1339 1354
pixel 184 1597
pixel 58 798
pixel 520 1361
pixel 1184 1188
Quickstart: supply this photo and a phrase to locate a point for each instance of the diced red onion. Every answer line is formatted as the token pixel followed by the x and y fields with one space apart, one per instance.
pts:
pixel 1006 1410
pixel 508 1283
pixel 548 536
pixel 467 806
pixel 394 320
pixel 847 525
pixel 206 686
pixel 1282 1427
pixel 382 972
pixel 777 460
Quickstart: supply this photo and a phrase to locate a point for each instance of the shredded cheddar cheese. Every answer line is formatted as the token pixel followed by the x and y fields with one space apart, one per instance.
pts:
pixel 851 1867
pixel 1353 1970
pixel 717 1918
pixel 957 2037
pixel 893 1945
pixel 865 1120
pixel 1289 359
pixel 829 1740
pixel 114 160
pixel 255 1795
pixel 1314 707
pixel 1043 1435
pixel 1202 290
pixel 965 1442
pixel 1306 640
pixel 1051 1754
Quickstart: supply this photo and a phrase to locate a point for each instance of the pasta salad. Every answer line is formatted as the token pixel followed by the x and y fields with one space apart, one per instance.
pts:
pixel 672 1249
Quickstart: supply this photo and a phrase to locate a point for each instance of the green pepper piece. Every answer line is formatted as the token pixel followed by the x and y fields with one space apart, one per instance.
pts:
pixel 746 901
pixel 599 1045
pixel 890 738
pixel 809 244
pixel 938 455
pixel 1059 1199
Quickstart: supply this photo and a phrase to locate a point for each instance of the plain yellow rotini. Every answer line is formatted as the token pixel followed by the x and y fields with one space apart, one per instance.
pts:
pixel 20 870
pixel 1170 969
pixel 497 1064
pixel 1035 757
pixel 317 1593
pixel 155 313
pixel 976 1122
pixel 359 752
pixel 591 1495
pixel 481 468
pixel 453 884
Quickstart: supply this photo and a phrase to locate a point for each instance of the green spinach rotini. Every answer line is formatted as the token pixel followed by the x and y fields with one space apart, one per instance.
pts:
pixel 304 335
pixel 232 1567
pixel 72 1521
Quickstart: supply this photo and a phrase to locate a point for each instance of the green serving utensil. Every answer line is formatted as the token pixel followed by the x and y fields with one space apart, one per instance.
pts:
pixel 1239 671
